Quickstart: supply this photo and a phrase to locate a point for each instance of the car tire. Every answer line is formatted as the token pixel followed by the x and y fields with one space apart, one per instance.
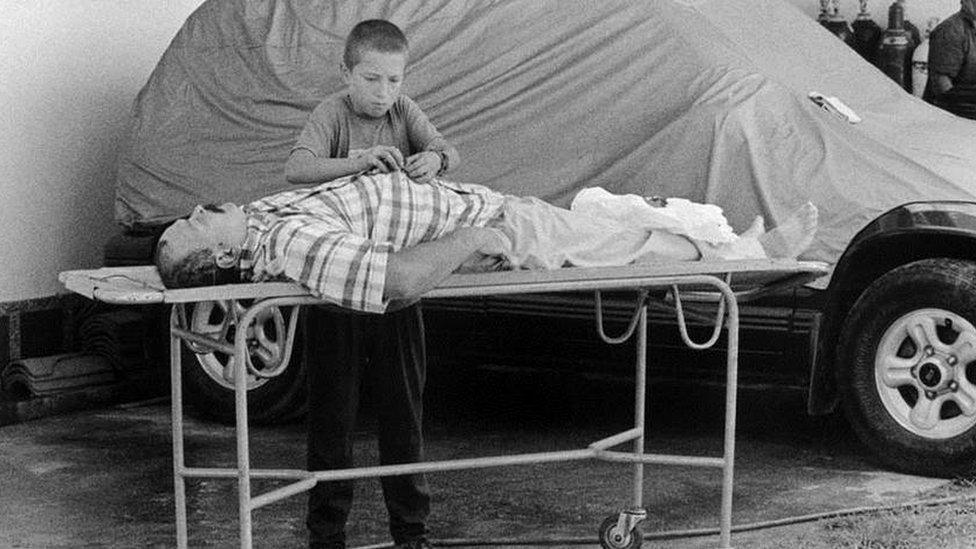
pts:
pixel 207 381
pixel 906 372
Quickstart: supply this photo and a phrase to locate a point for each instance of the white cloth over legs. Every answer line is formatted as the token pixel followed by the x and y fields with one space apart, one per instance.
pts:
pixel 704 224
pixel 700 222
pixel 544 236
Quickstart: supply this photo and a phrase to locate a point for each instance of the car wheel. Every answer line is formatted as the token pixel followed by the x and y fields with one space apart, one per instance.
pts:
pixel 907 367
pixel 208 377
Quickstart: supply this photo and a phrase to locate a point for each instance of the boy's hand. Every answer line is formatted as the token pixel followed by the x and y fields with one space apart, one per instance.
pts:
pixel 383 159
pixel 423 166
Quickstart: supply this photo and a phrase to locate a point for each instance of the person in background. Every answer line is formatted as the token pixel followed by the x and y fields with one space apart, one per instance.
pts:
pixel 952 63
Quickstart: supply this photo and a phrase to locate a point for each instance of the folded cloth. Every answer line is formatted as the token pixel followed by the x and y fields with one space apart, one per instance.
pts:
pixel 703 223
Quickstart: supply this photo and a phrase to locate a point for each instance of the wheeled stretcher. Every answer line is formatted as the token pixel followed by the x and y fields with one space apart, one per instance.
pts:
pixel 725 283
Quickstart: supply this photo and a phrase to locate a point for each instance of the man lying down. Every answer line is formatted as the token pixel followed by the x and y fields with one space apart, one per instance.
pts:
pixel 366 241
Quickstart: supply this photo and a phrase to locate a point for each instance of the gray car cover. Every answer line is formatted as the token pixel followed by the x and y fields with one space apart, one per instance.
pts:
pixel 702 99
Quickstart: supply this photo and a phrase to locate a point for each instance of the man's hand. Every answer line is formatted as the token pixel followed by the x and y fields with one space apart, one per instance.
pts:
pixel 382 158
pixel 493 241
pixel 423 166
pixel 490 255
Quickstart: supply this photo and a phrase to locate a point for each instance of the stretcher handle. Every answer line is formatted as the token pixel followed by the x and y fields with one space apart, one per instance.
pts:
pixel 683 325
pixel 634 319
pixel 280 362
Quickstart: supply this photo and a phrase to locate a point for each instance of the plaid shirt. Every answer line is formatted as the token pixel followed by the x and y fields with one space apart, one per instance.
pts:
pixel 335 238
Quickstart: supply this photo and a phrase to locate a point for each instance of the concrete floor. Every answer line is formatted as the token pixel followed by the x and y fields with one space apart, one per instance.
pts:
pixel 103 478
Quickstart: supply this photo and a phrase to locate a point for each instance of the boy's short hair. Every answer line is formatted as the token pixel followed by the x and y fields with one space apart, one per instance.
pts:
pixel 189 270
pixel 376 35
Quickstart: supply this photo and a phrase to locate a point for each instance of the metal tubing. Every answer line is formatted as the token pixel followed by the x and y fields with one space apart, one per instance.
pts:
pixel 176 407
pixel 287 343
pixel 204 341
pixel 639 401
pixel 731 390
pixel 452 465
pixel 660 459
pixel 240 403
pixel 620 438
pixel 226 472
pixel 305 479
pixel 283 492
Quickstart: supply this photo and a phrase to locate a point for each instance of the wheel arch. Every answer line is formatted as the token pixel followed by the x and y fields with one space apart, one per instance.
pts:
pixel 908 233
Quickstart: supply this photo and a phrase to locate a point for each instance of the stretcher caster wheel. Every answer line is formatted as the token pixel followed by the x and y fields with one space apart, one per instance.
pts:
pixel 622 531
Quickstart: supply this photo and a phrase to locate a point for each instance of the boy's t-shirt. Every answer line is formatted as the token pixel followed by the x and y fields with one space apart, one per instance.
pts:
pixel 334 129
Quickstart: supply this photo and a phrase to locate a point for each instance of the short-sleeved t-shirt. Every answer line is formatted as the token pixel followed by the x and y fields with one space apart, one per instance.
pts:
pixel 334 129
pixel 952 51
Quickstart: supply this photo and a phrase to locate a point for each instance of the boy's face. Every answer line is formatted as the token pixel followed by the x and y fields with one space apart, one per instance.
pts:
pixel 374 83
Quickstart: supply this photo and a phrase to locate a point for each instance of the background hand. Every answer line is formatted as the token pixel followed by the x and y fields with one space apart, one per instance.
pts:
pixel 423 166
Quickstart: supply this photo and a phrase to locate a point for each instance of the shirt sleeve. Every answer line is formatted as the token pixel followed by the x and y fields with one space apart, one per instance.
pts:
pixel 336 265
pixel 946 51
pixel 321 132
pixel 421 132
pixel 423 135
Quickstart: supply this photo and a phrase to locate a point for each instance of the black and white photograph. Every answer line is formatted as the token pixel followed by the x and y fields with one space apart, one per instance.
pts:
pixel 409 274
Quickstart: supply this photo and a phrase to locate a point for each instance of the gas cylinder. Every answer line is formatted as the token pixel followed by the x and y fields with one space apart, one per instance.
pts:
pixel 894 49
pixel 833 22
pixel 920 61
pixel 867 34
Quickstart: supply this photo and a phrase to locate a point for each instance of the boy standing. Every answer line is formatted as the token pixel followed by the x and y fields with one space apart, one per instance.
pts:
pixel 371 128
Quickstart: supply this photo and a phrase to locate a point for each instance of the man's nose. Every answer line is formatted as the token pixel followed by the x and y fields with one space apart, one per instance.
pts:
pixel 197 210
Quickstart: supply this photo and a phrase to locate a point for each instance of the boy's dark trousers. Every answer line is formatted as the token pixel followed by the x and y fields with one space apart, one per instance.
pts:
pixel 387 353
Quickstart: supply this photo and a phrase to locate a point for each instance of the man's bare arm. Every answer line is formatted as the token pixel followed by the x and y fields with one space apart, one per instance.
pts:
pixel 412 272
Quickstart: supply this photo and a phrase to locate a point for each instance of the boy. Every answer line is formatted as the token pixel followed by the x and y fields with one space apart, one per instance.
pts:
pixel 371 128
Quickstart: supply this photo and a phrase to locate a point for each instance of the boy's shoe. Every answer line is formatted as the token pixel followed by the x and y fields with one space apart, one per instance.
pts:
pixel 419 543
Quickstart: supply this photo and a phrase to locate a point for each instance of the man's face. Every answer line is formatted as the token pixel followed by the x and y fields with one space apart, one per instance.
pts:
pixel 374 83
pixel 968 7
pixel 217 228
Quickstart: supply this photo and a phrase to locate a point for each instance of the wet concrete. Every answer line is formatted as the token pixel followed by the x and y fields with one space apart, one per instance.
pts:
pixel 103 478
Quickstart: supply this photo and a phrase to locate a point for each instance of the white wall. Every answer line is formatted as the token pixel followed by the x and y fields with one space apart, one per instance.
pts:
pixel 69 70
pixel 916 11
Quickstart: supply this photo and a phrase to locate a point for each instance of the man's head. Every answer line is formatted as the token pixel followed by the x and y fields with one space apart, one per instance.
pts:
pixel 195 250
pixel 373 64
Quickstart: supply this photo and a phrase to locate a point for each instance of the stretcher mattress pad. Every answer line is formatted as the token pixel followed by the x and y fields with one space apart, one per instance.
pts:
pixel 142 285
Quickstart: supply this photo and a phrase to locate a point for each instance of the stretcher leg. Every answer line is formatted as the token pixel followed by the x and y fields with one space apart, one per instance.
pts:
pixel 176 388
pixel 243 453
pixel 731 389
pixel 639 406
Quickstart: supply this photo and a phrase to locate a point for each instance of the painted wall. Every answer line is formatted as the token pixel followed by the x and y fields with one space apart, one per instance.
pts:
pixel 69 70
pixel 916 11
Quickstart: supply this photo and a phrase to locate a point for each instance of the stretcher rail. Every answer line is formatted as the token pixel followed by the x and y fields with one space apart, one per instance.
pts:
pixel 727 283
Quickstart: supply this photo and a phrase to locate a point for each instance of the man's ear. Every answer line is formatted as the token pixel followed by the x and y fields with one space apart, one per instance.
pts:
pixel 344 71
pixel 227 258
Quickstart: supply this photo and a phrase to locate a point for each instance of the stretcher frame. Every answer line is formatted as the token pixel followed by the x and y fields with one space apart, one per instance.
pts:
pixel 697 281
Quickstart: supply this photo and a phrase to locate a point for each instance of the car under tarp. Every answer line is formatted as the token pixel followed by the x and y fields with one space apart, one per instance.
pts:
pixel 706 100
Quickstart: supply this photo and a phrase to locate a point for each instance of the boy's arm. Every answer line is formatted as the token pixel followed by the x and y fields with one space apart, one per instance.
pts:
pixel 436 155
pixel 412 272
pixel 303 167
